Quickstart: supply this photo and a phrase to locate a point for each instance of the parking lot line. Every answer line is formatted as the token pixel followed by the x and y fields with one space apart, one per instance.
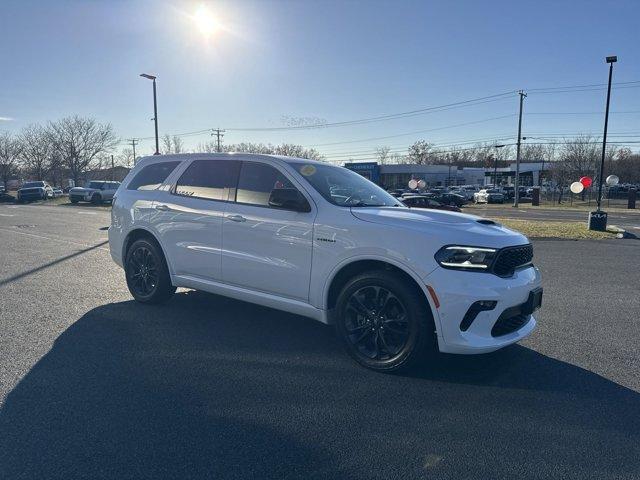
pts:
pixel 59 240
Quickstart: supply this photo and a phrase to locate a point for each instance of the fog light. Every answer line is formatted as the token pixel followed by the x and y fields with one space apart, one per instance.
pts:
pixel 474 310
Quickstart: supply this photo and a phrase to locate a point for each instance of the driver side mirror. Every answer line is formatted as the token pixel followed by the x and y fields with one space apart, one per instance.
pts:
pixel 288 199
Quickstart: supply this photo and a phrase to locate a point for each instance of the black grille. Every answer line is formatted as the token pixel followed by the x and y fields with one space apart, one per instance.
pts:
pixel 507 325
pixel 510 258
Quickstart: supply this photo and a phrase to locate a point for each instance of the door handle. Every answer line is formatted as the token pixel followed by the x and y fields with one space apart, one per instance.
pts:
pixel 236 218
pixel 162 207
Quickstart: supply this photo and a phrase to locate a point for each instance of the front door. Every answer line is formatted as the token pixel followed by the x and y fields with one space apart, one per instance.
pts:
pixel 265 248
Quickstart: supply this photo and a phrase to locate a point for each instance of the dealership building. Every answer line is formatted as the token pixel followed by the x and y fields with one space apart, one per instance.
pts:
pixel 398 175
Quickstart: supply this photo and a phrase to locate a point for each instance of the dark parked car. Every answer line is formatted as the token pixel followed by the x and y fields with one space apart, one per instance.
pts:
pixel 451 199
pixel 423 201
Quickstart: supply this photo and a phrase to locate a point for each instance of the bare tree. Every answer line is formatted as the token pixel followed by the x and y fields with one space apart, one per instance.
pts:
pixel 125 158
pixel 178 146
pixel 383 155
pixel 172 144
pixel 421 153
pixel 79 142
pixel 37 151
pixel 10 149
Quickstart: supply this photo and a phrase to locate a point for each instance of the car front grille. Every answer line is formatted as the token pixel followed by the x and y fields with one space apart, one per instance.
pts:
pixel 511 258
pixel 506 325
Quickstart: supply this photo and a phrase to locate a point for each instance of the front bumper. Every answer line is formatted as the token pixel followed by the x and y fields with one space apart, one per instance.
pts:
pixel 31 196
pixel 458 290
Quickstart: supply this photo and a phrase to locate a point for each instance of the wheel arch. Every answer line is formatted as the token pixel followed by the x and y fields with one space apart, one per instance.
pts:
pixel 138 233
pixel 342 273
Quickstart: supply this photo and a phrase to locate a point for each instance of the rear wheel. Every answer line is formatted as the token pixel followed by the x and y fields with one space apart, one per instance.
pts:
pixel 147 273
pixel 96 199
pixel 74 200
pixel 383 322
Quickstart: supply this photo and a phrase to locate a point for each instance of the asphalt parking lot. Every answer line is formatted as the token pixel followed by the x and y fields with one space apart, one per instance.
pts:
pixel 93 385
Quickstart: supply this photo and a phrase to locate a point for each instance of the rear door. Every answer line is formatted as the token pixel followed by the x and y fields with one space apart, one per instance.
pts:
pixel 265 248
pixel 188 218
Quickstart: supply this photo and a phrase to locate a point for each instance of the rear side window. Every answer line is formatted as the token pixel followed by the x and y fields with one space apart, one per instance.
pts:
pixel 209 179
pixel 256 182
pixel 152 176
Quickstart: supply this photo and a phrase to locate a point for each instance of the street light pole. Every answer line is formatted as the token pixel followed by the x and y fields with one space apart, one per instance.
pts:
pixel 495 166
pixel 155 109
pixel 516 192
pixel 610 61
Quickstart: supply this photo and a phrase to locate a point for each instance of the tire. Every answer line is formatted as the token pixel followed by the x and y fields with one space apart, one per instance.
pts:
pixel 147 273
pixel 374 335
pixel 96 199
pixel 74 200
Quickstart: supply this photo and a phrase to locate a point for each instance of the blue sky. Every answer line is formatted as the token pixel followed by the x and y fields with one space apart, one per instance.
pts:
pixel 331 60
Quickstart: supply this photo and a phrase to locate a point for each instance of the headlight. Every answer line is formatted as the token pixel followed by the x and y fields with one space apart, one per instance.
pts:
pixel 462 257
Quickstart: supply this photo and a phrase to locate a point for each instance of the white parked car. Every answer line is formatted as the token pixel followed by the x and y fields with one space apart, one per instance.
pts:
pixel 322 241
pixel 39 190
pixel 488 195
pixel 95 191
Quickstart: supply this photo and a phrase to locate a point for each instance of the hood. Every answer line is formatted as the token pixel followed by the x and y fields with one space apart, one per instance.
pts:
pixel 449 227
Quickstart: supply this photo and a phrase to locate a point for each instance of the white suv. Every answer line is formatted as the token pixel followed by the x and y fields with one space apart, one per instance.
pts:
pixel 323 242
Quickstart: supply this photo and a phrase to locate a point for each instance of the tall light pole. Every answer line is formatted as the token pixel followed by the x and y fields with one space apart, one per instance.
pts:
pixel 598 219
pixel 155 109
pixel 516 189
pixel 495 166
pixel 610 61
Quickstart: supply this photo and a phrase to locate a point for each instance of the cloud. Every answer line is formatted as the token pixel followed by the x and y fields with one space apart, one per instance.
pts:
pixel 6 119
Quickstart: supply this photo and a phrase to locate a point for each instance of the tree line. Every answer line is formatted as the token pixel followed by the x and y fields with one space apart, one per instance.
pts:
pixel 65 148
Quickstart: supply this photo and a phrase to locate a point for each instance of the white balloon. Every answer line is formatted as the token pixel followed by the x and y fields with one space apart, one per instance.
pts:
pixel 612 180
pixel 413 184
pixel 576 187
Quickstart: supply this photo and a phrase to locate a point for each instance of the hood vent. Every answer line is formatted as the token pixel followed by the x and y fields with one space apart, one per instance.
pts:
pixel 485 221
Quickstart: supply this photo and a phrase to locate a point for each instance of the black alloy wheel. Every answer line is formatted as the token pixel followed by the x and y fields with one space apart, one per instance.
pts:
pixel 143 271
pixel 376 323
pixel 384 321
pixel 146 272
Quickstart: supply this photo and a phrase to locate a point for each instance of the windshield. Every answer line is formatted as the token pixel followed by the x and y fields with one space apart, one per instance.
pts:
pixel 96 185
pixel 33 184
pixel 343 187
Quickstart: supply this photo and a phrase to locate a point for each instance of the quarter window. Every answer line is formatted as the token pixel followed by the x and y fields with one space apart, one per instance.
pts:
pixel 209 179
pixel 152 176
pixel 256 182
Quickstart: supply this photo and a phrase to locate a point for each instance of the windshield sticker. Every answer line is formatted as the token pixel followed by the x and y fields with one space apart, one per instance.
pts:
pixel 308 170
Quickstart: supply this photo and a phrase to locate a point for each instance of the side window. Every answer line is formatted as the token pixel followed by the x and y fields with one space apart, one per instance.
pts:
pixel 152 176
pixel 209 179
pixel 256 182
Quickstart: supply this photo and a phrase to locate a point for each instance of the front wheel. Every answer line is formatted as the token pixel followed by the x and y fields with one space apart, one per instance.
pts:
pixel 96 199
pixel 384 322
pixel 147 273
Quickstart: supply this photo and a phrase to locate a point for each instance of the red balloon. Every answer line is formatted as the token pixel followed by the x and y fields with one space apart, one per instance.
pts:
pixel 586 181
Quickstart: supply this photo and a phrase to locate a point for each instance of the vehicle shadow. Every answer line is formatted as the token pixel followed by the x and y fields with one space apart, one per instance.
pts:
pixel 206 386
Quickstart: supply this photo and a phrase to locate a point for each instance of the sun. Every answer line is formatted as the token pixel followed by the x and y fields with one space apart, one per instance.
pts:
pixel 204 21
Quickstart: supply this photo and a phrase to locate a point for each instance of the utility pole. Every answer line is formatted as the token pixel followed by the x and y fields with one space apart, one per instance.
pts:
pixel 218 134
pixel 134 142
pixel 516 193
pixel 113 169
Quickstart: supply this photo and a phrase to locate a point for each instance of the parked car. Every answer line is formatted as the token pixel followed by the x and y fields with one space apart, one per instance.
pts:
pixel 268 230
pixel 423 201
pixel 450 199
pixel 38 190
pixel 57 192
pixel 95 191
pixel 488 195
pixel 6 198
